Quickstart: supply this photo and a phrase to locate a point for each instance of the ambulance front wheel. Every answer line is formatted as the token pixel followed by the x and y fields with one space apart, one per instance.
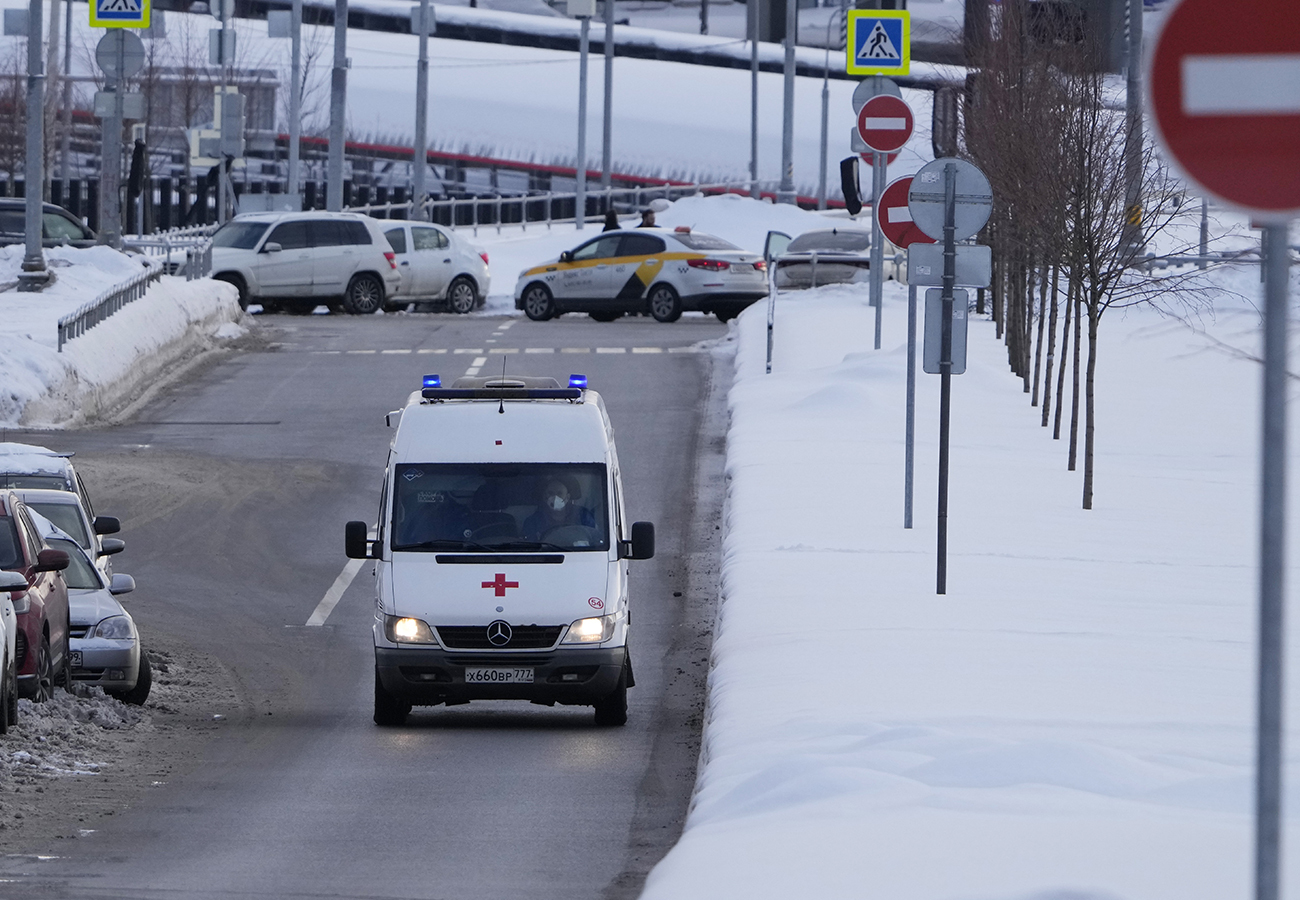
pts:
pixel 390 711
pixel 612 710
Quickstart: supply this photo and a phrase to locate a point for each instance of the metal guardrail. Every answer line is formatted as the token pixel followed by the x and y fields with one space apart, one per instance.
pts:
pixel 107 303
pixel 195 241
pixel 633 198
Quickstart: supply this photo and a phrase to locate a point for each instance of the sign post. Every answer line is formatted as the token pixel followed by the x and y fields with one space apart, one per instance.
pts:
pixel 884 124
pixel 950 199
pixel 1227 112
pixel 895 220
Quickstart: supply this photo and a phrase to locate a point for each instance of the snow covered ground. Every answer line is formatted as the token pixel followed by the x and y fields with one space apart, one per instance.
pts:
pixel 110 364
pixel 1075 717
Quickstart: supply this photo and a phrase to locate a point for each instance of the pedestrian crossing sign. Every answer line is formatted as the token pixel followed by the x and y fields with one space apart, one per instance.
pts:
pixel 880 42
pixel 119 13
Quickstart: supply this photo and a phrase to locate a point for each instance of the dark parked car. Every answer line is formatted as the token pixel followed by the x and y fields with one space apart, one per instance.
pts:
pixel 59 226
pixel 42 610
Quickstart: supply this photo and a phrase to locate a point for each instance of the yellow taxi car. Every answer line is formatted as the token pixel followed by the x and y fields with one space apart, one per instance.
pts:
pixel 656 270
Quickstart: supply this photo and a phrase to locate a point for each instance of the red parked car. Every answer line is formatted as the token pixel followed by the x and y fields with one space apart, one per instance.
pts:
pixel 42 612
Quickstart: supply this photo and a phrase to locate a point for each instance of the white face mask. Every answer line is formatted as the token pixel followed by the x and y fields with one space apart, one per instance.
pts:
pixel 556 502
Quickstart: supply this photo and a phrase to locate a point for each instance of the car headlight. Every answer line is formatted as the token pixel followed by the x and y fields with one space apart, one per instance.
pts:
pixel 114 628
pixel 405 630
pixel 590 631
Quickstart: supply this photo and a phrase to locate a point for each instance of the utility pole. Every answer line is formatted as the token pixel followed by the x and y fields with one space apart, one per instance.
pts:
pixel 65 148
pixel 227 63
pixel 338 109
pixel 606 155
pixel 420 159
pixel 110 170
pixel 34 275
pixel 1133 150
pixel 785 193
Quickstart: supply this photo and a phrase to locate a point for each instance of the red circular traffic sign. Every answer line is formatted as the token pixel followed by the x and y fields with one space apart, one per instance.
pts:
pixel 895 217
pixel 1223 99
pixel 885 123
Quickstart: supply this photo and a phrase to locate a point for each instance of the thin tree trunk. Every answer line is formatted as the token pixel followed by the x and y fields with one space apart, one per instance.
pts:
pixel 1090 415
pixel 1074 406
pixel 1038 348
pixel 1051 348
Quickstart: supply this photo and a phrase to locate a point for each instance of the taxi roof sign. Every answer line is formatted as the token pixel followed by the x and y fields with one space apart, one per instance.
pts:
pixel 879 42
pixel 120 13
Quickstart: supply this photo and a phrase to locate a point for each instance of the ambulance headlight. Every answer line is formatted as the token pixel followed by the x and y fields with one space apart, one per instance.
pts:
pixel 590 631
pixel 405 630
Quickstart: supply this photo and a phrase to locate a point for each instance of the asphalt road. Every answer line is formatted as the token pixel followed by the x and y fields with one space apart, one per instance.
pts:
pixel 233 486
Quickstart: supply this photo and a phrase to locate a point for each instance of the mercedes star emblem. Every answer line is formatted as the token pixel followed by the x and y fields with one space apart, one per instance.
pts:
pixel 498 633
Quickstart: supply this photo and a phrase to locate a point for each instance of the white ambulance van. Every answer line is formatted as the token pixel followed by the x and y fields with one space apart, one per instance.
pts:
pixel 501 551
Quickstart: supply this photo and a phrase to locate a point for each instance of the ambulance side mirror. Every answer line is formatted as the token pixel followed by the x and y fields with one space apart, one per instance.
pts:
pixel 642 545
pixel 355 543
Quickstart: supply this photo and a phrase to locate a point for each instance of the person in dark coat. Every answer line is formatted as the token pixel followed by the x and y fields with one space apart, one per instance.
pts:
pixel 611 221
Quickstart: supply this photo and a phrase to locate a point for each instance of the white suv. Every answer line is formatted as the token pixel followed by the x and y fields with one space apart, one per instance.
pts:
pixel 294 261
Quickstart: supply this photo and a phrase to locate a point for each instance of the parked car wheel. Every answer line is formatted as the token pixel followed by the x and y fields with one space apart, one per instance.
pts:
pixel 238 284
pixel 612 710
pixel 665 305
pixel 44 673
pixel 140 693
pixel 539 305
pixel 462 297
pixel 365 295
pixel 389 710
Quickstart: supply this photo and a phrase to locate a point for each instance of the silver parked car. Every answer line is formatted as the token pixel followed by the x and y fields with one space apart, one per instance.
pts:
pixel 64 509
pixel 437 266
pixel 102 638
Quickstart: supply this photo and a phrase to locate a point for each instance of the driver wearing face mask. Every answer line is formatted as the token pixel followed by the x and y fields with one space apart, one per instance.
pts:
pixel 557 509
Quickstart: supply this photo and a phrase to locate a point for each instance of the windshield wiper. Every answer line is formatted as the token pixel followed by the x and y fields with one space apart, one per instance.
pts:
pixel 444 544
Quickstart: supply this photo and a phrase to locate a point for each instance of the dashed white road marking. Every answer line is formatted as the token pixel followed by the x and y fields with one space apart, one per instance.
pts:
pixel 539 349
pixel 361 352
pixel 575 349
pixel 505 326
pixel 432 350
pixel 463 351
pixel 647 349
pixel 393 352
pixel 503 350
pixel 479 362
pixel 327 352
pixel 611 349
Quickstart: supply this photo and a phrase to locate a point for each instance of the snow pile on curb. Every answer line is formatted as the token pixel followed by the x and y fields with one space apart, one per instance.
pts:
pixel 111 363
pixel 64 736
pixel 1074 717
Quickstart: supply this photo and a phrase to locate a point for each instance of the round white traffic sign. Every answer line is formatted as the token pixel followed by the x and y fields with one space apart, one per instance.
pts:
pixel 873 86
pixel 972 198
pixel 1225 102
pixel 132 50
pixel 885 123
pixel 895 216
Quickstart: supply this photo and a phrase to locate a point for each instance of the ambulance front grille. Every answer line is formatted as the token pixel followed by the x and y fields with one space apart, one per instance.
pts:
pixel 522 637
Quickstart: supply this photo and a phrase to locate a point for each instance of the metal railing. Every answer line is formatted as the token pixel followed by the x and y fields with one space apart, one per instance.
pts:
pixel 195 240
pixel 539 208
pixel 107 303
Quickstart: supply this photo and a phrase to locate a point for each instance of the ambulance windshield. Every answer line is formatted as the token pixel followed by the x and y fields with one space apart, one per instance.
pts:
pixel 500 507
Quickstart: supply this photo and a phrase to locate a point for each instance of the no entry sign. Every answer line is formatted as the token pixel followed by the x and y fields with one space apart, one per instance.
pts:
pixel 896 218
pixel 885 123
pixel 1225 99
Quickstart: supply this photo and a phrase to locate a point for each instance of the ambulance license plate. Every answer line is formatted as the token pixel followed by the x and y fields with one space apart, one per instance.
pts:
pixel 474 675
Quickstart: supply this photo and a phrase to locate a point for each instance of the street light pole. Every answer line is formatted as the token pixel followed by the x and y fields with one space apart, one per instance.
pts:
pixel 338 109
pixel 34 275
pixel 580 198
pixel 606 155
pixel 420 159
pixel 754 10
pixel 786 194
pixel 295 99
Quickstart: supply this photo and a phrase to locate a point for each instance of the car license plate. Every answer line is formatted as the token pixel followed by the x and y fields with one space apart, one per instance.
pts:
pixel 76 659
pixel 498 676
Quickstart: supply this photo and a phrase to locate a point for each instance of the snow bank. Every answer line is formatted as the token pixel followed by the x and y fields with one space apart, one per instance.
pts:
pixel 111 363
pixel 1075 717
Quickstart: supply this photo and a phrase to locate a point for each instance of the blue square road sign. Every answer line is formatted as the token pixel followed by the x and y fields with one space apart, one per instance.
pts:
pixel 880 42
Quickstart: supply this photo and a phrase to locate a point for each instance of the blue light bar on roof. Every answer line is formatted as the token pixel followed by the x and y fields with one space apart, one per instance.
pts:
pixel 432 381
pixel 578 381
